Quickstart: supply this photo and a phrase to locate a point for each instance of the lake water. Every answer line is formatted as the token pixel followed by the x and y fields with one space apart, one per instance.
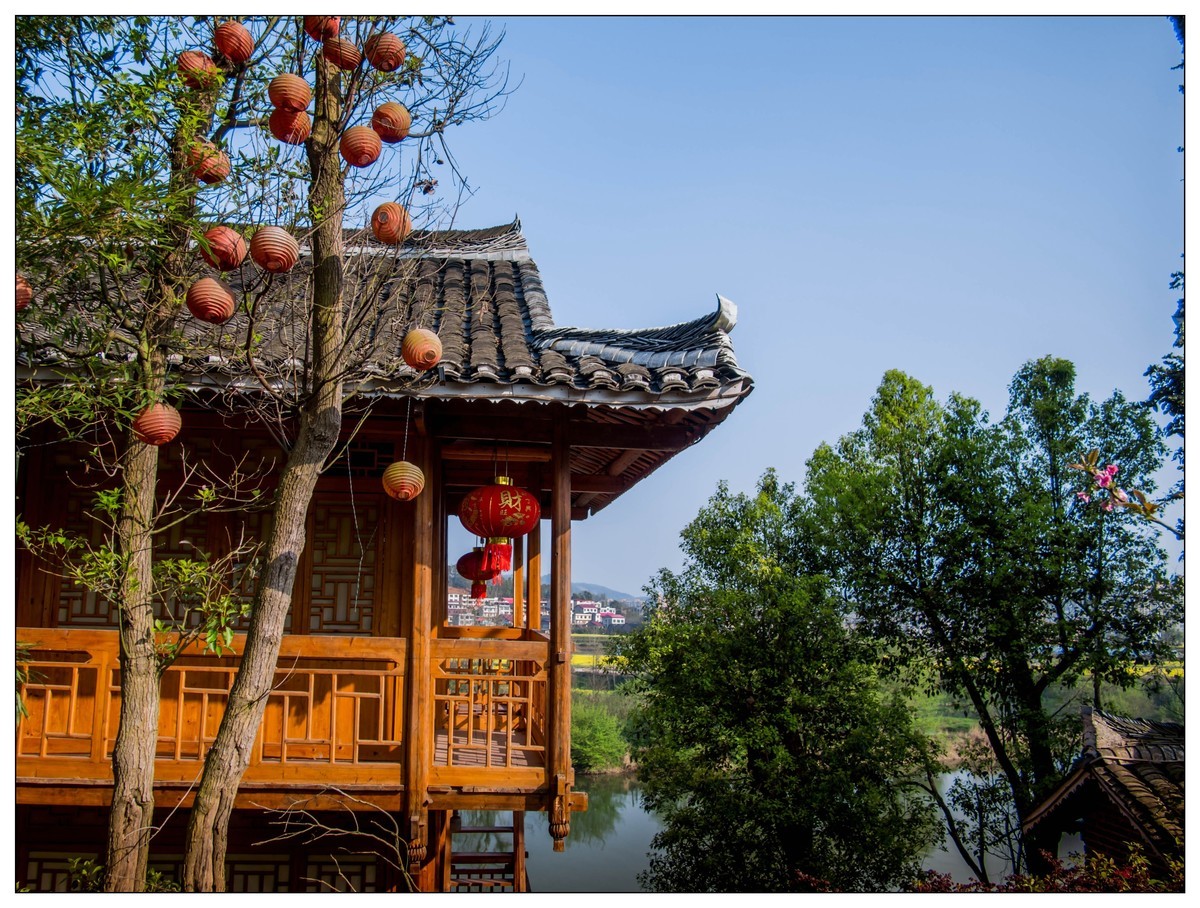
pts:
pixel 610 841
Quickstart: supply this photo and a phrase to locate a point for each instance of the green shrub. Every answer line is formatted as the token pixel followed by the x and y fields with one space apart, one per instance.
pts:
pixel 596 741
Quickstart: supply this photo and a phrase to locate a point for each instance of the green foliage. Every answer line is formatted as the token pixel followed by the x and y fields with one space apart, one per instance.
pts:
pixel 763 739
pixel 24 676
pixel 960 544
pixel 596 741
pixel 87 875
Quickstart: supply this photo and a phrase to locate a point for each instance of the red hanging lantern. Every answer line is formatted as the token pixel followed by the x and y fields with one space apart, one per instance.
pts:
pixel 157 424
pixel 289 92
pixel 360 146
pixel 497 513
pixel 385 51
pixel 403 480
pixel 391 224
pixel 422 350
pixel 207 162
pixel 197 68
pixel 24 293
pixel 341 53
pixel 392 121
pixel 233 41
pixel 210 301
pixel 223 248
pixel 472 567
pixel 320 28
pixel 274 249
pixel 290 126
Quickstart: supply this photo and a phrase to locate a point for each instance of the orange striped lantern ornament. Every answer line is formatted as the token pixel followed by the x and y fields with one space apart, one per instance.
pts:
pixel 223 248
pixel 24 293
pixel 157 424
pixel 274 249
pixel 385 52
pixel 391 121
pixel 210 301
pixel 360 146
pixel 471 566
pixel 197 68
pixel 403 480
pixel 319 28
pixel 341 53
pixel 290 126
pixel 391 224
pixel 422 350
pixel 289 92
pixel 208 163
pixel 233 41
pixel 497 513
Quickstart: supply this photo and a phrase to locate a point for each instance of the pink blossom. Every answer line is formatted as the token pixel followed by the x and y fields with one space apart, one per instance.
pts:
pixel 1108 505
pixel 1083 496
pixel 1120 495
pixel 1103 479
pixel 1111 469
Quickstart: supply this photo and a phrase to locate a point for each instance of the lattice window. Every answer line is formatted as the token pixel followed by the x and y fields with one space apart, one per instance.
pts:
pixel 262 873
pixel 342 873
pixel 345 540
pixel 78 606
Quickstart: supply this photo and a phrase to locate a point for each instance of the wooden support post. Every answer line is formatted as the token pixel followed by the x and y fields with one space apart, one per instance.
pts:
pixel 560 638
pixel 419 736
pixel 533 579
pixel 518 560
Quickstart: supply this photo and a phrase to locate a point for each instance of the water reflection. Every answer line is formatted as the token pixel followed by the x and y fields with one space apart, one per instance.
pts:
pixel 609 844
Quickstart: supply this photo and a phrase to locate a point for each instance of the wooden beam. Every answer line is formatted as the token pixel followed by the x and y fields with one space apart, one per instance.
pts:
pixel 419 734
pixel 580 482
pixel 533 580
pixel 583 434
pixel 489 453
pixel 518 561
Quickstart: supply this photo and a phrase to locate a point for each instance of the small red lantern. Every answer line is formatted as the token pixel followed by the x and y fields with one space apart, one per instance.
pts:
pixel 197 68
pixel 24 293
pixel 290 126
pixel 422 350
pixel 289 92
pixel 210 300
pixel 385 51
pixel 360 146
pixel 274 249
pixel 319 28
pixel 233 41
pixel 471 566
pixel 392 121
pixel 497 513
pixel 157 424
pixel 208 163
pixel 341 53
pixel 403 480
pixel 223 248
pixel 391 224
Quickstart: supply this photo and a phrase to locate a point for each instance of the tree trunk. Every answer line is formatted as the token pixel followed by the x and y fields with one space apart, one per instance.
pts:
pixel 131 818
pixel 320 425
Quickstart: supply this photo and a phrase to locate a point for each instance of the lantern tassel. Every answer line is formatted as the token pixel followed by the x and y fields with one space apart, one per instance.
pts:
pixel 497 555
pixel 478 589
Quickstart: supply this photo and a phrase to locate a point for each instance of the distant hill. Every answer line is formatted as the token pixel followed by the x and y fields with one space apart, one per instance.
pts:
pixel 579 586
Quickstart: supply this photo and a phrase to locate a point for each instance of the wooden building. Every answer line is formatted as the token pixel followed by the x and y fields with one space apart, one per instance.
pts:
pixel 381 709
pixel 1125 789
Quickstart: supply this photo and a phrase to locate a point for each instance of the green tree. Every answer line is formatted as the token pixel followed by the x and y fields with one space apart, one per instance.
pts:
pixel 961 544
pixel 109 213
pixel 763 739
pixel 596 741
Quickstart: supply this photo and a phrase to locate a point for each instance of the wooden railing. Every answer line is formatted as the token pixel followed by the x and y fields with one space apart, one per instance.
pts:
pixel 490 697
pixel 334 715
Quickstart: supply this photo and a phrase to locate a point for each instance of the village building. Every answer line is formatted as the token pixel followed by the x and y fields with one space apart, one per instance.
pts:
pixel 387 700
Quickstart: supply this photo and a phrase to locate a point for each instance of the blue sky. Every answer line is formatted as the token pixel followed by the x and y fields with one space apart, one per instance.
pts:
pixel 947 196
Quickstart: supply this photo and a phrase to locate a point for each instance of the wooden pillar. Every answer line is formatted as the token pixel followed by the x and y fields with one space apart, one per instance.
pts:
pixel 518 560
pixel 419 737
pixel 560 638
pixel 533 579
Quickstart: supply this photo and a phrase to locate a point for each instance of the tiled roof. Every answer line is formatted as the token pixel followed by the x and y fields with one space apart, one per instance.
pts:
pixel 482 293
pixel 1139 766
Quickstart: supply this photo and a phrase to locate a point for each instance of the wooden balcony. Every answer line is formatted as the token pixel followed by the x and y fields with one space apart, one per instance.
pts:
pixel 336 718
